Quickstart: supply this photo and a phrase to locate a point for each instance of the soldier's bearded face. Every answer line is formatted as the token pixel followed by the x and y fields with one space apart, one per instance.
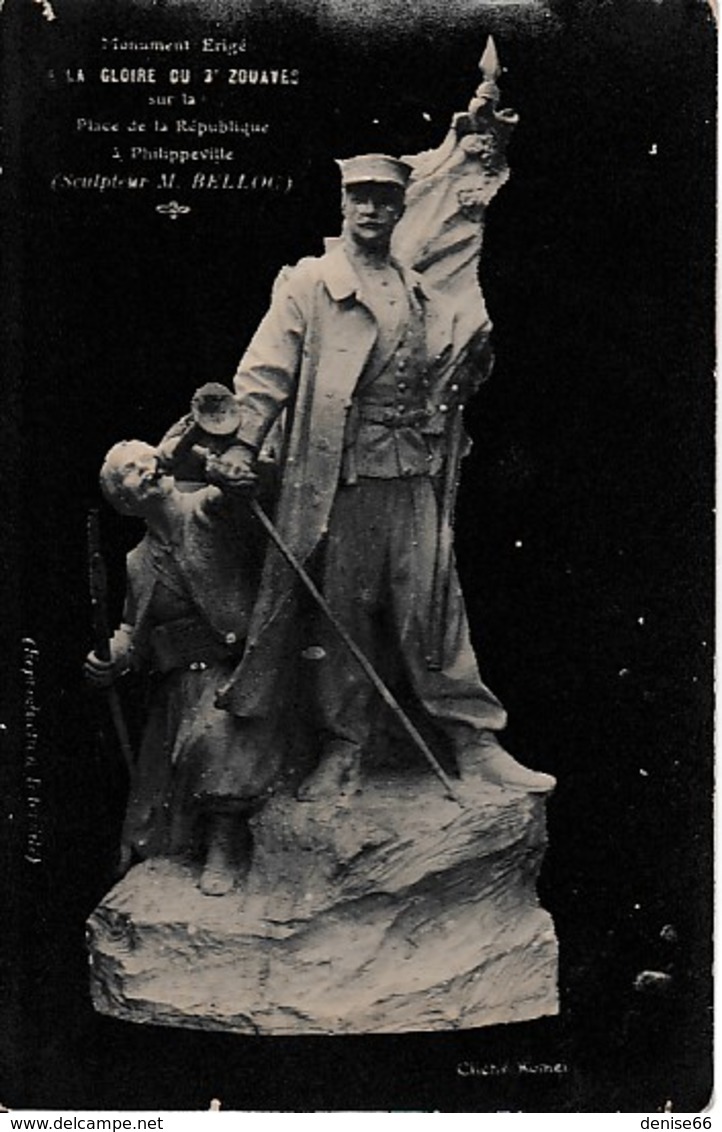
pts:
pixel 371 211
pixel 136 477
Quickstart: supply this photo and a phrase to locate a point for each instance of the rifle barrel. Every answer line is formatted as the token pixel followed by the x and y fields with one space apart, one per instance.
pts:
pixel 101 632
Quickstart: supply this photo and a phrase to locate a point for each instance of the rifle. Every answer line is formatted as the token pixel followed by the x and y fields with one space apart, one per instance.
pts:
pixel 469 356
pixel 445 540
pixel 101 636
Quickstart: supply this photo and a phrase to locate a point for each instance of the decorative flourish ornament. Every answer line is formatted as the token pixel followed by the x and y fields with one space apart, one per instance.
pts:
pixel 173 209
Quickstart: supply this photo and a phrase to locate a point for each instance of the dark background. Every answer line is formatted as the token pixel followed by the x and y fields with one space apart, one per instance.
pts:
pixel 594 452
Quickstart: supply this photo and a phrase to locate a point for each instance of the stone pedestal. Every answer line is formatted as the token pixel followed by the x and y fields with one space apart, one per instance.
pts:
pixel 399 910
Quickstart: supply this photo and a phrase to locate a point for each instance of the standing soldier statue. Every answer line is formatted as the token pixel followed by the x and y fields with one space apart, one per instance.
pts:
pixel 372 361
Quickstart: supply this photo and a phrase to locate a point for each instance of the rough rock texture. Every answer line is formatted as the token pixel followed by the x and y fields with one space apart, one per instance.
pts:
pixel 399 910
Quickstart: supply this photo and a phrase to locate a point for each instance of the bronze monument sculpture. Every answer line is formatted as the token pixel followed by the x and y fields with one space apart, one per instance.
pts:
pixel 378 896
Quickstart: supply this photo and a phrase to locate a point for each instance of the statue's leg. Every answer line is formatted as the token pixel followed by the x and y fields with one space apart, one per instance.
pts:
pixel 352 574
pixel 455 696
pixel 230 765
pixel 227 852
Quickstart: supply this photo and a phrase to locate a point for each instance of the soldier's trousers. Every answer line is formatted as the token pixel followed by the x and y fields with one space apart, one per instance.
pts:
pixel 377 576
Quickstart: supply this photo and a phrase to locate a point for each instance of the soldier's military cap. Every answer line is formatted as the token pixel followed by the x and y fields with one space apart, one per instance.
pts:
pixel 377 167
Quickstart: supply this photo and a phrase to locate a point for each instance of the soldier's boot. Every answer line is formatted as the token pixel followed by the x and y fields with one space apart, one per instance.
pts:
pixel 221 867
pixel 338 773
pixel 480 755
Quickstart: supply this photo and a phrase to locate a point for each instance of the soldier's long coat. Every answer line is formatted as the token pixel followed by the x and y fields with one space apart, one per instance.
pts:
pixel 307 357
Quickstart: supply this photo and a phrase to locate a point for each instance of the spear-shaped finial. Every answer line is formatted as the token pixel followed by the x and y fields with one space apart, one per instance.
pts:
pixel 483 128
pixel 486 97
pixel 489 62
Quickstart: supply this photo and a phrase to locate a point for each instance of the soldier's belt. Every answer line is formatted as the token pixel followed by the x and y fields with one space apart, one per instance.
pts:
pixel 392 417
pixel 188 642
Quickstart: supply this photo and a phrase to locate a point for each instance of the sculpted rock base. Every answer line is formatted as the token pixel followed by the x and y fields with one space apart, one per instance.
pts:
pixel 396 911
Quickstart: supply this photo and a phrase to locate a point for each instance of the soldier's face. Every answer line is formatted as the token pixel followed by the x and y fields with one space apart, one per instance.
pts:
pixel 371 211
pixel 138 479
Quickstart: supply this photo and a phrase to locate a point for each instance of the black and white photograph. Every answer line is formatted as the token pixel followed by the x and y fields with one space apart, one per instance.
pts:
pixel 356 708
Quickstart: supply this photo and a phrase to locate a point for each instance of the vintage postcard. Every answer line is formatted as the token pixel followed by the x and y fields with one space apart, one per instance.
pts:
pixel 358 464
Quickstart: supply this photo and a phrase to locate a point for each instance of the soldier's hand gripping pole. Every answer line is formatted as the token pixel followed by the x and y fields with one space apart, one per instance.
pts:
pixel 101 636
pixel 360 658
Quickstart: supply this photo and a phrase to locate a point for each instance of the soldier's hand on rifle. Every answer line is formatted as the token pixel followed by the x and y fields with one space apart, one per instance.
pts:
pixel 233 468
pixel 103 673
